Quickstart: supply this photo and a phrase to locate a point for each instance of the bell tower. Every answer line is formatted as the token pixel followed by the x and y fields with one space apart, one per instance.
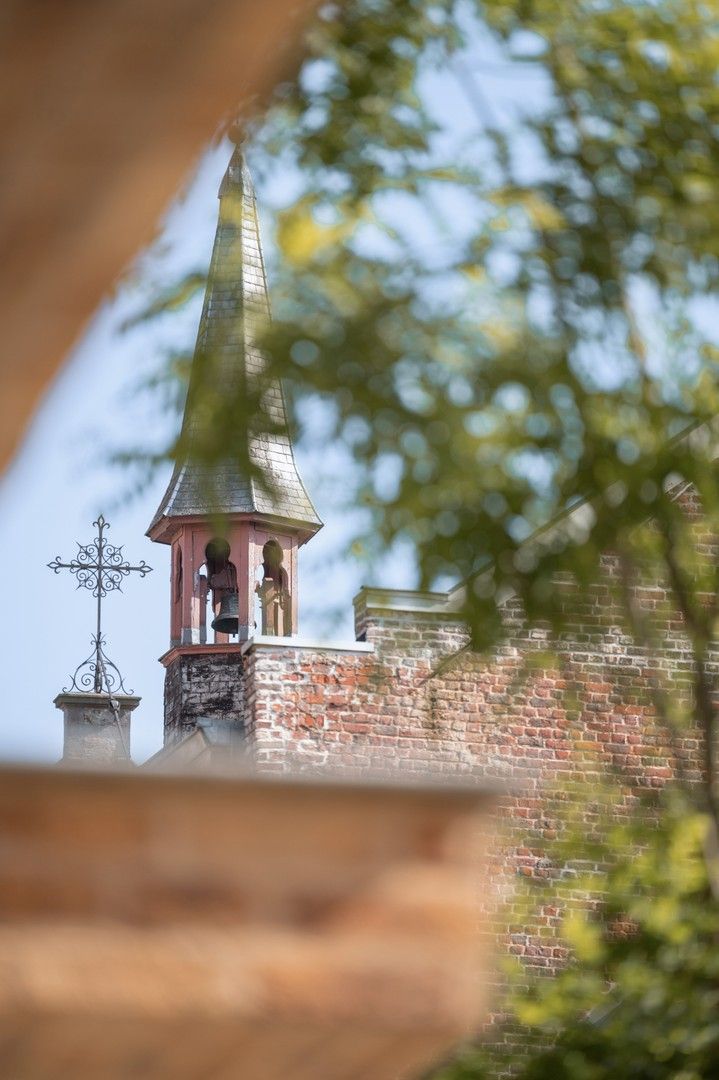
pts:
pixel 233 541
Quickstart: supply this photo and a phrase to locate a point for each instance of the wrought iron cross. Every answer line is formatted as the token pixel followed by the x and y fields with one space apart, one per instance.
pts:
pixel 98 566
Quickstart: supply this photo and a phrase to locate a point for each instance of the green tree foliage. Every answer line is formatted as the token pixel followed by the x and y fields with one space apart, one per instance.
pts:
pixel 640 998
pixel 554 360
pixel 552 364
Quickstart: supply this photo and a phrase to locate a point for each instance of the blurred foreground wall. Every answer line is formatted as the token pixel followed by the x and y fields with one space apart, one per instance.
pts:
pixel 157 926
pixel 104 108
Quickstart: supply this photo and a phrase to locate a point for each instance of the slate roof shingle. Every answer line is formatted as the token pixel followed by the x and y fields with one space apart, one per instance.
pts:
pixel 236 303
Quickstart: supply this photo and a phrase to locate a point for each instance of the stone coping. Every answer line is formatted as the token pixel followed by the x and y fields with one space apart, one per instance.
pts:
pixel 312 644
pixel 242 776
pixel 405 600
pixel 265 641
pixel 96 701
pixel 199 650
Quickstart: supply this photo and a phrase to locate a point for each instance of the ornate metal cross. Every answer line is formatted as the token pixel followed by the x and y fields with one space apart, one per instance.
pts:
pixel 98 566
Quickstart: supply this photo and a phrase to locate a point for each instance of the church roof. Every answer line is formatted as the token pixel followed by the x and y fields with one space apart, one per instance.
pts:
pixel 235 307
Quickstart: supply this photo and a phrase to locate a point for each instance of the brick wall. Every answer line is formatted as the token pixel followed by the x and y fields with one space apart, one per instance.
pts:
pixel 393 709
pixel 410 697
pixel 367 707
pixel 203 684
pixel 421 700
pixel 536 723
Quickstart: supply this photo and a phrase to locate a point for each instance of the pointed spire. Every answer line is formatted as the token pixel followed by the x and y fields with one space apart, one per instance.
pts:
pixel 236 305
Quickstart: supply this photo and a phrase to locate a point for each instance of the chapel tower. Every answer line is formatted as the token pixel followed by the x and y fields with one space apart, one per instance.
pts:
pixel 233 542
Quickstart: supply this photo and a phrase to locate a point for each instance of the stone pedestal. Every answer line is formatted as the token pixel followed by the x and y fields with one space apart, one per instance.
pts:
pixel 93 733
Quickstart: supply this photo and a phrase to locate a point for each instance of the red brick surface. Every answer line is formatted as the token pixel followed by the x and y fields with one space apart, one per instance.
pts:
pixel 422 701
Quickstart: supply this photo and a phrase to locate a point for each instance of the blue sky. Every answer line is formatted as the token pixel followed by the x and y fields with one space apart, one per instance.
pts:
pixel 61 480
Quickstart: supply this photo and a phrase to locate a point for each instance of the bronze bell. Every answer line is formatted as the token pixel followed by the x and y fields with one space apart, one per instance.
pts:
pixel 227 620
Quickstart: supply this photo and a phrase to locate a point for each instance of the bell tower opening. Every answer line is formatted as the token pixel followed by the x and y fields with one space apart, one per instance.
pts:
pixel 273 591
pixel 222 583
pixel 177 598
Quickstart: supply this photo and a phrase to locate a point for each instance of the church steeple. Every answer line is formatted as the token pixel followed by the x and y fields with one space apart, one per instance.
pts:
pixel 261 527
